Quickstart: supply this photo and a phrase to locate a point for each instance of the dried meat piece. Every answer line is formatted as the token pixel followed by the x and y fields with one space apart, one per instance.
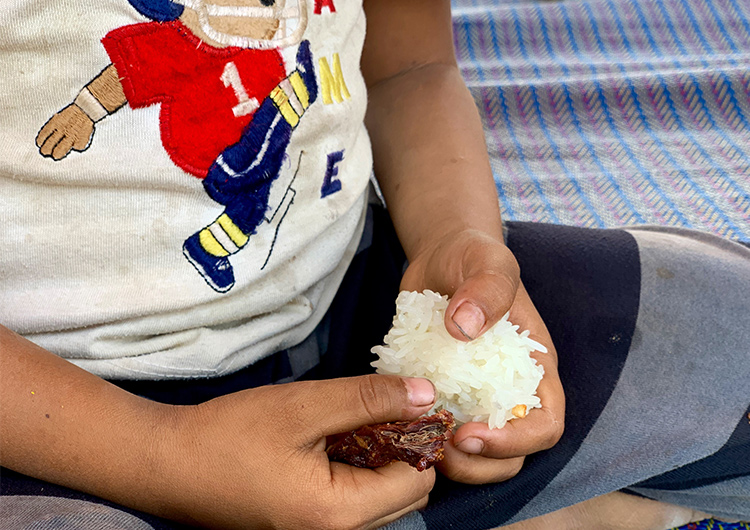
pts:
pixel 418 443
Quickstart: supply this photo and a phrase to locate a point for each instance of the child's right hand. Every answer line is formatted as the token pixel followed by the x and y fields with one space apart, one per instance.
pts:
pixel 257 458
pixel 252 459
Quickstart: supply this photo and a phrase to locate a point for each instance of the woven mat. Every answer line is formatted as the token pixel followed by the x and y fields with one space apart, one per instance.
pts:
pixel 606 113
pixel 712 524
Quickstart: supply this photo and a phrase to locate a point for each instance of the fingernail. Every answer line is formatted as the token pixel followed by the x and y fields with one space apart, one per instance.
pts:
pixel 419 391
pixel 471 445
pixel 469 320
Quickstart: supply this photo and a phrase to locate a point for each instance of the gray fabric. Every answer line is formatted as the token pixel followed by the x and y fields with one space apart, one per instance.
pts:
pixel 23 512
pixel 410 521
pixel 306 354
pixel 728 501
pixel 683 388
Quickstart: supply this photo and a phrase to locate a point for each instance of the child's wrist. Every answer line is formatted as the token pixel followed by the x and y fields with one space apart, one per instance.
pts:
pixel 441 238
pixel 168 460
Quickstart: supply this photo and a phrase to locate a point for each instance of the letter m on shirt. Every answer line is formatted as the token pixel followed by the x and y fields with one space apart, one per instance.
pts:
pixel 332 84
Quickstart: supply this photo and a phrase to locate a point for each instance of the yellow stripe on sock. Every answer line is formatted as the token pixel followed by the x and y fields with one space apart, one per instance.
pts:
pixel 234 233
pixel 300 89
pixel 289 115
pixel 278 96
pixel 282 103
pixel 210 244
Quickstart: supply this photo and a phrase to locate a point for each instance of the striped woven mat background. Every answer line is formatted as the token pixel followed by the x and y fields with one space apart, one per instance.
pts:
pixel 606 113
pixel 712 524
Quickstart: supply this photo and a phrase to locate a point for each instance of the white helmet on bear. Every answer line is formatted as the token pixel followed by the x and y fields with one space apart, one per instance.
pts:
pixel 292 17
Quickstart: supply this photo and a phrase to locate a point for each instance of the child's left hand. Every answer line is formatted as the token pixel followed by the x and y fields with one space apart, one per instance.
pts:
pixel 481 276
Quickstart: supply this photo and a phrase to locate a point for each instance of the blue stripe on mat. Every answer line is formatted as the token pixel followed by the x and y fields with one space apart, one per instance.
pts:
pixel 601 113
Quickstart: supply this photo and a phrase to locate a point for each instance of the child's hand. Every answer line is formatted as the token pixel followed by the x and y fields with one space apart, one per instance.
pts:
pixel 481 276
pixel 257 458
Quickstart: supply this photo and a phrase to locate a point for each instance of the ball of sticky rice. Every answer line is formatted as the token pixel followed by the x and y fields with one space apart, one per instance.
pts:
pixel 490 379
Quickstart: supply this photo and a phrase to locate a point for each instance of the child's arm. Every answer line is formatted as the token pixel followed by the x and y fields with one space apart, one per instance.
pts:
pixel 432 164
pixel 250 459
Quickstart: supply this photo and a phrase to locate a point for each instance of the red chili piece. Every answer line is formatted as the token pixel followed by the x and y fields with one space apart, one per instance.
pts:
pixel 418 443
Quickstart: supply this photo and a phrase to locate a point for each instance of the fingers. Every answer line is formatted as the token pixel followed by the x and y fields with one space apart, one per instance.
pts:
pixel 340 405
pixel 334 406
pixel 490 281
pixel 539 430
pixel 381 494
pixel 521 437
pixel 542 427
pixel 478 304
pixel 477 271
pixel 476 469
pixel 480 454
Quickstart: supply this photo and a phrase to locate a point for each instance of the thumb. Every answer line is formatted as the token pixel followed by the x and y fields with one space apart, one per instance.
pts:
pixel 479 302
pixel 340 405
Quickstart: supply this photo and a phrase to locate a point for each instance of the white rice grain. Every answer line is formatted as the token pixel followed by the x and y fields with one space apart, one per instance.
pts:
pixel 477 381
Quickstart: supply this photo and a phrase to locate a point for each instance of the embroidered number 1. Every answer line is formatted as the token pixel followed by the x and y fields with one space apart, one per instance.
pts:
pixel 231 78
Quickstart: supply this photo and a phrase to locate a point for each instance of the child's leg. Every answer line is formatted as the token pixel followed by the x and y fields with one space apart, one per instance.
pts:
pixel 614 511
pixel 727 500
pixel 651 327
pixel 682 392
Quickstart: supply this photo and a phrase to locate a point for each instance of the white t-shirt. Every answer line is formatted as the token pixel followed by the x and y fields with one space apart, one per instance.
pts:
pixel 116 256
